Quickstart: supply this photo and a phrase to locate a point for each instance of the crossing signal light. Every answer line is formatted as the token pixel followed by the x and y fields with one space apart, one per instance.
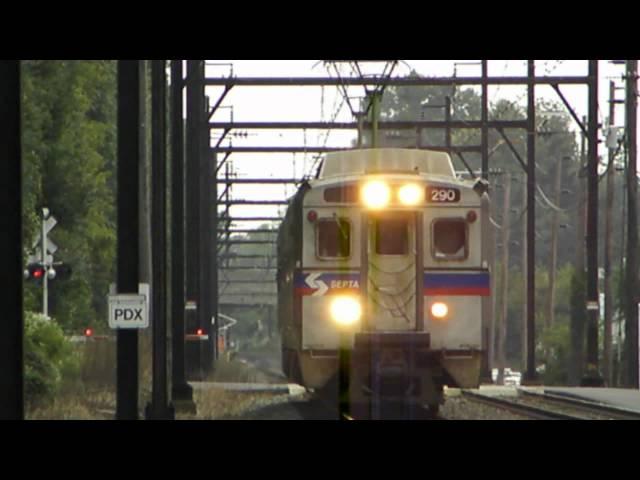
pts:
pixel 34 271
pixel 88 332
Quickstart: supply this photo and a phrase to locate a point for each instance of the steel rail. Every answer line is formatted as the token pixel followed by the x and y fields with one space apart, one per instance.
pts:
pixel 518 408
pixel 586 405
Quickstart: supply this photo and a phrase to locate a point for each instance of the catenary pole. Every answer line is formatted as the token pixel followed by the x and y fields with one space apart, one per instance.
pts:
pixel 631 321
pixel 181 391
pixel 592 375
pixel 159 408
pixel 530 375
pixel 128 241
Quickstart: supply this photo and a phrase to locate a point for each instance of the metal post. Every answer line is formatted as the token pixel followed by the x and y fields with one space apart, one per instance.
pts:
pixel 127 243
pixel 592 375
pixel 212 245
pixel 447 119
pixel 375 111
pixel 631 321
pixel 205 232
pixel 11 326
pixel 43 256
pixel 485 118
pixel 485 372
pixel 192 218
pixel 530 375
pixel 158 408
pixel 608 250
pixel 207 242
pixel 181 391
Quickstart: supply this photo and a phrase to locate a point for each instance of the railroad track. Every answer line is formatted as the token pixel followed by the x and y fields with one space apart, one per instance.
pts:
pixel 519 408
pixel 599 410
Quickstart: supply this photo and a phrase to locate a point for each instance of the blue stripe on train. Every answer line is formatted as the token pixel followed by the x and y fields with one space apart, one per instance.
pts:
pixel 435 283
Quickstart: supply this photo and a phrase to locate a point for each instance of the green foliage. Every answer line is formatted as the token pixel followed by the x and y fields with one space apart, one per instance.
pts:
pixel 50 359
pixel 69 152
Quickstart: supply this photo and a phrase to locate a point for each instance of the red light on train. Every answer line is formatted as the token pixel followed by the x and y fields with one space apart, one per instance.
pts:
pixel 88 332
pixel 200 331
pixel 471 216
pixel 312 216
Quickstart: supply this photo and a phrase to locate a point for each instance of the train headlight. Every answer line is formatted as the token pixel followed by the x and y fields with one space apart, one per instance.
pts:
pixel 345 310
pixel 376 194
pixel 439 310
pixel 410 194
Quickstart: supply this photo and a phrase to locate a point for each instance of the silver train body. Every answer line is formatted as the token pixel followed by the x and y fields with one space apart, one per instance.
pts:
pixel 401 261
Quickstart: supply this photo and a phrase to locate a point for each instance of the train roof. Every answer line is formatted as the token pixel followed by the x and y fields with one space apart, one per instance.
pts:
pixel 386 160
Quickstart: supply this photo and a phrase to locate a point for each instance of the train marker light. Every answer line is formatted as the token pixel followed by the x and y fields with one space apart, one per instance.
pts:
pixel 439 310
pixel 471 216
pixel 88 332
pixel 345 310
pixel 200 331
pixel 312 216
pixel 410 194
pixel 375 194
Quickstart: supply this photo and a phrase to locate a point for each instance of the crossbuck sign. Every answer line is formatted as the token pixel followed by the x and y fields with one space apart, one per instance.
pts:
pixel 128 311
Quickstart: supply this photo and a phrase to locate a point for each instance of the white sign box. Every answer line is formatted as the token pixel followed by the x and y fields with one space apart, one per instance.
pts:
pixel 128 311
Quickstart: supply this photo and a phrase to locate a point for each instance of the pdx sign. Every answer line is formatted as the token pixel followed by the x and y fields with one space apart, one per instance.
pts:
pixel 128 311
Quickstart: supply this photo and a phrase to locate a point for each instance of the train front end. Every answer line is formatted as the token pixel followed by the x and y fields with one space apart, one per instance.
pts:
pixel 394 269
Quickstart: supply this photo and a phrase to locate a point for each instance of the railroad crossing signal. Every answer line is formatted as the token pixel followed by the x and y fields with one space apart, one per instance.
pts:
pixel 36 271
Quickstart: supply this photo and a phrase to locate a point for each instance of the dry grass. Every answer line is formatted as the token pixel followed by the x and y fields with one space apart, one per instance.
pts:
pixel 76 404
pixel 93 395
pixel 217 404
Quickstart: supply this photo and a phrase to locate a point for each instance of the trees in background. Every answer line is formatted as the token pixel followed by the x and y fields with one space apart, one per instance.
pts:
pixel 69 156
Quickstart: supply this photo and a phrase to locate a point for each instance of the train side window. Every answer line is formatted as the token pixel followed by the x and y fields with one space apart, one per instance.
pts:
pixel 392 236
pixel 333 238
pixel 449 239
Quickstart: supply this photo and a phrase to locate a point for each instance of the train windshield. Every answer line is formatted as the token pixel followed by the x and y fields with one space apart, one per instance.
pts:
pixel 450 239
pixel 333 238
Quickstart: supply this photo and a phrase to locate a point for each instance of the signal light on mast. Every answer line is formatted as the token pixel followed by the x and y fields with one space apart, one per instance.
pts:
pixel 34 271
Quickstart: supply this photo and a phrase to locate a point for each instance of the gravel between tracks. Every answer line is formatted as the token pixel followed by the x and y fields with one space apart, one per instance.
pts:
pixel 459 408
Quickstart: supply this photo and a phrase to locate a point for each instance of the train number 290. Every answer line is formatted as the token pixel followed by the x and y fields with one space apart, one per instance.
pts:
pixel 443 195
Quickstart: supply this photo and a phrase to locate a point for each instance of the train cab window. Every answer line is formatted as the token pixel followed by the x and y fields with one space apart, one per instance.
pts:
pixel 449 239
pixel 392 236
pixel 333 238
pixel 341 194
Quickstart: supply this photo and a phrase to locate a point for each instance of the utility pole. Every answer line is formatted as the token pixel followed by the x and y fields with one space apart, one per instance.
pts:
pixel 631 321
pixel 578 305
pixel 128 234
pixel 608 246
pixel 11 326
pixel 530 375
pixel 524 343
pixel 504 279
pixel 592 375
pixel 181 391
pixel 158 408
pixel 553 258
pixel 193 305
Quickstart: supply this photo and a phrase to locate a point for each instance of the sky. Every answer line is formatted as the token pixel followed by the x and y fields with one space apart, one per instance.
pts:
pixel 326 104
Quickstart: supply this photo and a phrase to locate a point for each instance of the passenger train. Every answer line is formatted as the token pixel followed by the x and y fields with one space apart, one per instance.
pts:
pixel 387 251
